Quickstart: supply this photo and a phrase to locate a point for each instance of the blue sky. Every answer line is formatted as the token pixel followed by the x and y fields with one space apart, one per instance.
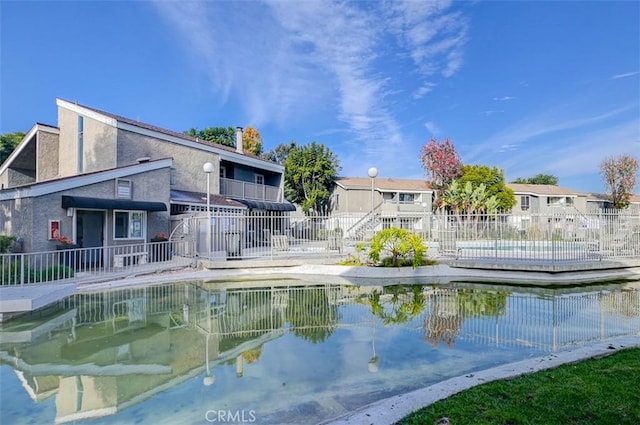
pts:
pixel 530 87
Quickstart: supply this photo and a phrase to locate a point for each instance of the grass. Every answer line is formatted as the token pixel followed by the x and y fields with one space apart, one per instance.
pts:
pixel 598 391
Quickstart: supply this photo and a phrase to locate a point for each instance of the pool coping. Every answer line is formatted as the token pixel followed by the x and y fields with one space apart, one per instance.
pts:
pixel 441 273
pixel 390 410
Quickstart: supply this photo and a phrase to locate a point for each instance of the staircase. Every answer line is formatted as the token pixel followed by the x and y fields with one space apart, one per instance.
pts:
pixel 364 228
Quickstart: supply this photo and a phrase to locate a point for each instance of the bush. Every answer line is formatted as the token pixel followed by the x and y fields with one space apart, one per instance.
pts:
pixel 11 273
pixel 397 247
pixel 55 272
pixel 6 242
pixel 355 260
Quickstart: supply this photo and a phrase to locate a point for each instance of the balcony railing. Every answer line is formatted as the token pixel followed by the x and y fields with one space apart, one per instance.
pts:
pixel 246 190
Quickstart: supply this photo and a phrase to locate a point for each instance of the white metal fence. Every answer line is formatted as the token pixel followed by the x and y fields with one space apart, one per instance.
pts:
pixel 549 238
pixel 87 263
pixel 558 237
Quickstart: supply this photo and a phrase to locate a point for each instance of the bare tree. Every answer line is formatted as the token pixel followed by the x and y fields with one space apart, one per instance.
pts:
pixel 620 176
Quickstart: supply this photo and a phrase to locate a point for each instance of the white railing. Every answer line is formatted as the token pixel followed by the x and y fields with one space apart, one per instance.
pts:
pixel 90 263
pixel 534 237
pixel 246 190
pixel 542 238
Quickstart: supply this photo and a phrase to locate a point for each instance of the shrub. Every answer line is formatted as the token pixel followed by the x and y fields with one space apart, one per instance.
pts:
pixel 6 242
pixel 55 272
pixel 11 273
pixel 397 247
pixel 355 260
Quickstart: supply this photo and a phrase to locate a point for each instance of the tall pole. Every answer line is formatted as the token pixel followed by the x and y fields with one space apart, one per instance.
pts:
pixel 372 172
pixel 208 169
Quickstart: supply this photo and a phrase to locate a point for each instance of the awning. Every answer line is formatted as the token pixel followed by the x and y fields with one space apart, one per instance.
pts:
pixel 111 204
pixel 266 205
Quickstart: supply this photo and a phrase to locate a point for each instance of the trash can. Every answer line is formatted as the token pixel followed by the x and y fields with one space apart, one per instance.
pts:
pixel 233 242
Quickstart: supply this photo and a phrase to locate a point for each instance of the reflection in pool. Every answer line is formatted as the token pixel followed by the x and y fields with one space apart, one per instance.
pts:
pixel 280 352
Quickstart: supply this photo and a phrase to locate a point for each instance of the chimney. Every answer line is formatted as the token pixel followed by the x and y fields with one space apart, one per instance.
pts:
pixel 239 142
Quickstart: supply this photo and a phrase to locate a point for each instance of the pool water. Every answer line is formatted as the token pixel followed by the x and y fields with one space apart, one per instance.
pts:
pixel 280 352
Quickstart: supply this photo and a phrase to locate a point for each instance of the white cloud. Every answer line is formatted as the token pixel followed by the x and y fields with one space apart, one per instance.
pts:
pixel 504 98
pixel 491 112
pixel 289 60
pixel 625 75
pixel 426 88
pixel 554 144
pixel 508 148
pixel 432 128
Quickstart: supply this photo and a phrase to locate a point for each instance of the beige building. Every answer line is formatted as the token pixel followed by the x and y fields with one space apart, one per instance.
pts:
pixel 546 199
pixel 380 203
pixel 100 180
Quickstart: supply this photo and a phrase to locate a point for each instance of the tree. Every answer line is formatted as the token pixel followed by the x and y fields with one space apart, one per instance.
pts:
pixel 538 179
pixel 442 164
pixel 493 180
pixel 221 135
pixel 8 143
pixel 252 141
pixel 280 153
pixel 620 176
pixel 310 171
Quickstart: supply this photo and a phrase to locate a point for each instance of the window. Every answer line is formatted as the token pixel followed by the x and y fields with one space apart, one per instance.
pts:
pixel 569 200
pixel 525 203
pixel 223 172
pixel 80 143
pixel 406 198
pixel 259 179
pixel 129 224
pixel 123 189
pixel 173 177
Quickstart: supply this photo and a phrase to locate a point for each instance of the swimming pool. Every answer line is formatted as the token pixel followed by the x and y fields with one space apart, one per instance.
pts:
pixel 274 352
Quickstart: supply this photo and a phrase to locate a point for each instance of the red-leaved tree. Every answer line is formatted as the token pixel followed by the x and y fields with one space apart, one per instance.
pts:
pixel 442 164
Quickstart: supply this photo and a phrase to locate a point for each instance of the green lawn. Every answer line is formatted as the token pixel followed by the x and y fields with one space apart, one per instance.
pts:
pixel 596 391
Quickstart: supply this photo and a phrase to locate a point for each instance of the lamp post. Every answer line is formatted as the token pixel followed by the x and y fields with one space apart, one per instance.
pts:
pixel 208 169
pixel 373 172
pixel 424 220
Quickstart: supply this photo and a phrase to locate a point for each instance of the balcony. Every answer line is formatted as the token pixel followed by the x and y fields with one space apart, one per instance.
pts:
pixel 246 190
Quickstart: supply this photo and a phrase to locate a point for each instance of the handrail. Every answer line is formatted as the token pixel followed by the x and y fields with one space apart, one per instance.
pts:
pixel 370 215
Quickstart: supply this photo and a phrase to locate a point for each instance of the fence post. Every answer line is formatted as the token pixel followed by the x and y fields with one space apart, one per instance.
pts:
pixel 21 269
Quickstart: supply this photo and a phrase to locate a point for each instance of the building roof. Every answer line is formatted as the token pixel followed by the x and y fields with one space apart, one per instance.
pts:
pixel 544 189
pixel 605 197
pixel 200 198
pixel 166 131
pixel 384 184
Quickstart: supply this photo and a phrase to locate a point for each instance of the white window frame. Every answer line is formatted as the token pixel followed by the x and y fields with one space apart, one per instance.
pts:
pixel 403 198
pixel 524 207
pixel 133 232
pixel 259 179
